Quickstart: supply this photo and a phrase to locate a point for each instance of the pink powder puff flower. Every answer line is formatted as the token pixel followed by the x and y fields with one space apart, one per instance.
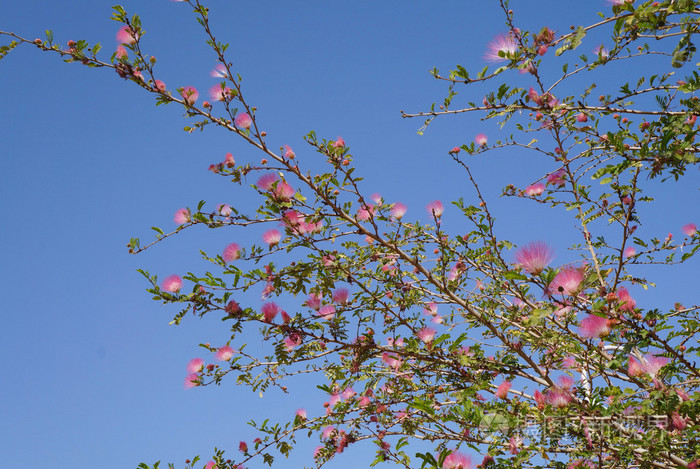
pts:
pixel 534 190
pixel 503 388
pixel 192 380
pixel 377 198
pixel 558 397
pixel 243 447
pixel 340 296
pixel 651 364
pixel 195 365
pixel 364 213
pixel 348 393
pixel 634 368
pixel 594 326
pixel 288 152
pixel 534 257
pixel 627 303
pixel 210 465
pixel 514 444
pixel 364 401
pixel 283 191
pixel 481 140
pixel 291 342
pixel 189 95
pixel 601 51
pixel 679 423
pixel 229 161
pixel 231 252
pixel 243 121
pixel 219 71
pixel 224 353
pixel 566 382
pixel 160 86
pixel 232 307
pixel 327 431
pixel 172 283
pixel 500 48
pixel 457 460
pixel 327 312
pixel 455 150
pixel 426 334
pixel 219 93
pixel 430 309
pixel 301 413
pixel 314 301
pixel 581 117
pixel 557 178
pixel 629 251
pixel 182 216
pixel 435 208
pixel 224 210
pixel 339 142
pixel 122 53
pixel 398 210
pixel 266 181
pixel 292 218
pixel 539 398
pixel 690 229
pixel 126 36
pixel 272 237
pixel 437 320
pixel 567 282
pixel 270 310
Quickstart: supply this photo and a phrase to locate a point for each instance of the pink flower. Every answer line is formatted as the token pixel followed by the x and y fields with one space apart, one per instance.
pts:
pixel 430 309
pixel 566 382
pixel 364 213
pixel 219 71
pixel 514 444
pixel 594 326
pixel 292 218
pixel 195 365
pixel 340 296
pixel 231 252
pixel 229 160
pixel 272 237
pixel 679 423
pixel 629 251
pixel 426 334
pixel 500 48
pixel 269 310
pixel 690 229
pixel 219 93
pixel 339 142
pixel 210 465
pixel 173 284
pixel 224 353
pixel 301 413
pixel 223 209
pixel 126 36
pixel 377 198
pixel 534 257
pixel 581 117
pixel 435 208
pixel 266 181
pixel 457 460
pixel 348 393
pixel 189 95
pixel 288 152
pixel 634 368
pixel 283 191
pixel 567 282
pixel 601 51
pixel 243 121
pixel 291 342
pixel 481 140
pixel 391 361
pixel 243 447
pixel 539 398
pixel 503 388
pixel 455 150
pixel 627 303
pixel 160 86
pixel 534 190
pixel 651 364
pixel 398 210
pixel 314 301
pixel 182 216
pixel 558 397
pixel 232 307
pixel 557 178
pixel 122 53
pixel 327 431
pixel 192 380
pixel 327 312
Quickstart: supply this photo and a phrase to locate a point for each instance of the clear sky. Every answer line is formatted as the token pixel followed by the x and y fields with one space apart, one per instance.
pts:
pixel 95 374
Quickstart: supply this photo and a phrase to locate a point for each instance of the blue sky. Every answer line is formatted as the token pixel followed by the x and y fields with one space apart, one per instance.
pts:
pixel 94 375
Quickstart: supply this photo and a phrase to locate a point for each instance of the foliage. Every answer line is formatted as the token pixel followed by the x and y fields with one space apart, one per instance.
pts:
pixel 419 333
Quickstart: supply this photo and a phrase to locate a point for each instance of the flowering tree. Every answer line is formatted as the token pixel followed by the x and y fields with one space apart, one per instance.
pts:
pixel 458 345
